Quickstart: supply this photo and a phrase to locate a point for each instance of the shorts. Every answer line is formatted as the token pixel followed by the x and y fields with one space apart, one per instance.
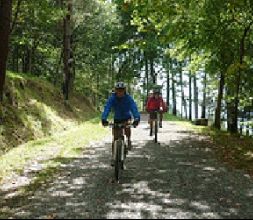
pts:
pixel 153 115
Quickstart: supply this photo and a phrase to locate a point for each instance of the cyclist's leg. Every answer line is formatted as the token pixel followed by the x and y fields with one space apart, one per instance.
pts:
pixel 116 135
pixel 161 119
pixel 128 134
pixel 113 138
pixel 151 127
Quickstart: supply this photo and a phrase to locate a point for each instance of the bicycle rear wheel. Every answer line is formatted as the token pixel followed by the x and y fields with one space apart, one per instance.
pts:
pixel 151 131
pixel 156 131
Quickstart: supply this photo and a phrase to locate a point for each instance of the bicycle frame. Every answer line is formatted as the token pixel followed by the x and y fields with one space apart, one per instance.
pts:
pixel 119 151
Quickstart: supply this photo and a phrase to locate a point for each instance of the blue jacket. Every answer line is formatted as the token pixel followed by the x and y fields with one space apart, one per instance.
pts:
pixel 124 108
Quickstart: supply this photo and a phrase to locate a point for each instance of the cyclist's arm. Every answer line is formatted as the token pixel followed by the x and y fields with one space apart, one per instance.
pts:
pixel 162 105
pixel 107 108
pixel 148 105
pixel 165 108
pixel 134 109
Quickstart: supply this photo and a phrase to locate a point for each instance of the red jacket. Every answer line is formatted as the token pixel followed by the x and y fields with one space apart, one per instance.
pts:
pixel 154 104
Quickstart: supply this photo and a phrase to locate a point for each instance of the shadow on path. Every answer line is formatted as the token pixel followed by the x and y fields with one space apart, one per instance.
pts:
pixel 180 178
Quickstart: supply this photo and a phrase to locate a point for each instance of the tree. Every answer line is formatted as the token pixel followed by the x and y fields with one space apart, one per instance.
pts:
pixel 67 49
pixel 5 28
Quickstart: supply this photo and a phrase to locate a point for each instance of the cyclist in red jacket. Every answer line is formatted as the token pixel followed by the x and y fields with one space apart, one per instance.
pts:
pixel 156 103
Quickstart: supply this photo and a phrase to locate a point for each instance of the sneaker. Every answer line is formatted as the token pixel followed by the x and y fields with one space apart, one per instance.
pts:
pixel 112 162
pixel 160 125
pixel 129 145
pixel 126 151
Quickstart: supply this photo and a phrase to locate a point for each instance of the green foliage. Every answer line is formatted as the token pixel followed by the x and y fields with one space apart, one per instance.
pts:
pixel 112 39
pixel 28 114
pixel 35 32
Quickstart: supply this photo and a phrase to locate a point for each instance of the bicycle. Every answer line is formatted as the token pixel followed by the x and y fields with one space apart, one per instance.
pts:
pixel 154 118
pixel 120 149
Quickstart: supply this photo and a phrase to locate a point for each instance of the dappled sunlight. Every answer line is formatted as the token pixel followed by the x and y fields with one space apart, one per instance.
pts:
pixel 250 193
pixel 177 179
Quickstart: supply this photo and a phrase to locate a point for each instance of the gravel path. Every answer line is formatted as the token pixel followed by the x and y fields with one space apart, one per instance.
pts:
pixel 179 179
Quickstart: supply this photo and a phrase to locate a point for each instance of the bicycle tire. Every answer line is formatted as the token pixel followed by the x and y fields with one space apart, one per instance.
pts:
pixel 156 131
pixel 151 131
pixel 118 162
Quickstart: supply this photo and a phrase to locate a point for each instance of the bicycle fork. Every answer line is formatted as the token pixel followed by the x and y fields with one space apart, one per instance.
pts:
pixel 119 144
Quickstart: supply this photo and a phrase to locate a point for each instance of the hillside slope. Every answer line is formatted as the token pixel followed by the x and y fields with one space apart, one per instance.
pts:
pixel 34 108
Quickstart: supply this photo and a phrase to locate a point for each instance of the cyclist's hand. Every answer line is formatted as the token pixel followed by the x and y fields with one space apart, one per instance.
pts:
pixel 136 122
pixel 105 123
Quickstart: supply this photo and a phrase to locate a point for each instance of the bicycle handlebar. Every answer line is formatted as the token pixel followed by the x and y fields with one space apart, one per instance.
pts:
pixel 155 111
pixel 120 125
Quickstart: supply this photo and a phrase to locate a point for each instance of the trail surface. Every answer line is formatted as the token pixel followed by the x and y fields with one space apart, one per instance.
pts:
pixel 180 178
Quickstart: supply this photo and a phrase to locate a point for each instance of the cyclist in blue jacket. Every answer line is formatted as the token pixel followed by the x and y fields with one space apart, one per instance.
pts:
pixel 124 109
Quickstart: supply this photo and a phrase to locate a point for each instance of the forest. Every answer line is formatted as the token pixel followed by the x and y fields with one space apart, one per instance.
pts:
pixel 202 49
pixel 59 62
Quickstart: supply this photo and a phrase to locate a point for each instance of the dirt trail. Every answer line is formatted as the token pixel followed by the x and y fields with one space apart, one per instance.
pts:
pixel 180 178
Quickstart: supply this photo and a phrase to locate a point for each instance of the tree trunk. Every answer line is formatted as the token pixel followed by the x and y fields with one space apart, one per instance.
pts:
pixel 168 83
pixel 16 15
pixel 152 71
pixel 112 71
pixel 97 92
pixel 190 96
pixel 67 50
pixel 203 114
pixel 13 59
pixel 182 89
pixel 217 121
pixel 146 74
pixel 30 56
pixel 183 102
pixel 174 95
pixel 196 98
pixel 233 128
pixel 5 28
pixel 57 71
pixel 17 58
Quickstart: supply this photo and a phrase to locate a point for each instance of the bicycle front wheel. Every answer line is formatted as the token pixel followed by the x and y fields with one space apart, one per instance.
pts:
pixel 118 160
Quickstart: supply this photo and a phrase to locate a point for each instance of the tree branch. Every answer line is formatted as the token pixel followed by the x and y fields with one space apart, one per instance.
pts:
pixel 16 15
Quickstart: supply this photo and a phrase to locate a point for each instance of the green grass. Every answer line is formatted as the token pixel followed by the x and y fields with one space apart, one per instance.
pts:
pixel 170 117
pixel 66 145
pixel 235 150
pixel 180 121
pixel 59 149
pixel 34 109
pixel 37 123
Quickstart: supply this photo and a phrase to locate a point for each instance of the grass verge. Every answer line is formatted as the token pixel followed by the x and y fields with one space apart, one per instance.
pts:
pixel 65 145
pixel 234 150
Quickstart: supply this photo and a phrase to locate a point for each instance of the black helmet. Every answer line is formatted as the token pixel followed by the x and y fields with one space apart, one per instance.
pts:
pixel 120 85
pixel 157 91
